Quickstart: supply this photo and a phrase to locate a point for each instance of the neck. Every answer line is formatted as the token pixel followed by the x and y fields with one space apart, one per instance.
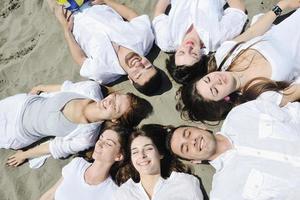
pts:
pixel 240 82
pixel 222 144
pixel 91 113
pixel 97 173
pixel 121 53
pixel 148 183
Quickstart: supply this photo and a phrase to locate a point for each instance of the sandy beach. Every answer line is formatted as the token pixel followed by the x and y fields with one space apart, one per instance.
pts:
pixel 33 51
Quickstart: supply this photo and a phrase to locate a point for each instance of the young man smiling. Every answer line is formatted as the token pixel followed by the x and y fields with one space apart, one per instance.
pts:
pixel 256 154
pixel 107 47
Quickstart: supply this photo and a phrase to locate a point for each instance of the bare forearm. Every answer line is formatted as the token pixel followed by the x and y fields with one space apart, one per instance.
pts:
pixel 239 4
pixel 262 25
pixel 37 151
pixel 123 10
pixel 161 7
pixel 76 51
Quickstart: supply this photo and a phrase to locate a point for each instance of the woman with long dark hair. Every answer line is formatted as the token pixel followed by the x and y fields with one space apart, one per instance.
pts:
pixel 256 61
pixel 154 173
pixel 192 30
pixel 97 179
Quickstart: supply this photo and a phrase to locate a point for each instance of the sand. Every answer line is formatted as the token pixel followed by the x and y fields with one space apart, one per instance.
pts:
pixel 33 51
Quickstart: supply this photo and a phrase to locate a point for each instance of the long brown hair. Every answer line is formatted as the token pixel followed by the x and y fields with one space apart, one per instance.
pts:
pixel 195 107
pixel 123 134
pixel 157 133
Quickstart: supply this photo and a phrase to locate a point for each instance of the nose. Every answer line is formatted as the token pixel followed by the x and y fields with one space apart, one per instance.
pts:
pixel 142 154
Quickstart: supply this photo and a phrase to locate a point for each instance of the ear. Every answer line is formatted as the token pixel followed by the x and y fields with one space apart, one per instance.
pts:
pixel 195 161
pixel 130 80
pixel 161 157
pixel 119 157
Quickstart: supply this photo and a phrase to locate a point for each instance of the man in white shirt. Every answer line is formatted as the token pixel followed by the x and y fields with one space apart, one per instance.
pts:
pixel 107 47
pixel 256 154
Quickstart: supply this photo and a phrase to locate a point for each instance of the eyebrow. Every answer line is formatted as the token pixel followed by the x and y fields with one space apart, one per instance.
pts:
pixel 143 146
pixel 112 141
pixel 181 146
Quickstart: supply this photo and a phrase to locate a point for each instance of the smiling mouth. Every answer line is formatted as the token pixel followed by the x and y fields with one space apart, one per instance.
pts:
pixel 189 43
pixel 131 58
pixel 200 144
pixel 144 163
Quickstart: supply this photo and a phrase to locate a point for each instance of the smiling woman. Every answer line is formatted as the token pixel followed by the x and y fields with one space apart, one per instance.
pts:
pixel 259 60
pixel 73 115
pixel 153 171
pixel 84 180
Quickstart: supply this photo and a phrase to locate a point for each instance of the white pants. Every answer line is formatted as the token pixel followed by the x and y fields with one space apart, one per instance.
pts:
pixel 10 111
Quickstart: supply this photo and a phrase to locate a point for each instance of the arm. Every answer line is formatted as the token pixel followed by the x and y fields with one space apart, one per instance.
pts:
pixel 160 7
pixel 123 10
pixel 265 22
pixel 50 194
pixel 238 4
pixel 291 94
pixel 21 156
pixel 67 22
pixel 45 88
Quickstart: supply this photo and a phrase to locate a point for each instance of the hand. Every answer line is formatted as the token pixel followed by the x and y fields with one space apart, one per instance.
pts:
pixel 289 4
pixel 97 2
pixel 36 90
pixel 64 17
pixel 16 159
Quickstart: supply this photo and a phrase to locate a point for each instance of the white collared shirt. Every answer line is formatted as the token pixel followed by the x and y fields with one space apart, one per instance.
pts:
pixel 96 27
pixel 264 163
pixel 179 186
pixel 212 23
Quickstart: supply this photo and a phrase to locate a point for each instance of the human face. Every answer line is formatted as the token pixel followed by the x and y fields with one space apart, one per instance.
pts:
pixel 216 85
pixel 140 69
pixel 193 143
pixel 189 52
pixel 107 148
pixel 145 156
pixel 113 106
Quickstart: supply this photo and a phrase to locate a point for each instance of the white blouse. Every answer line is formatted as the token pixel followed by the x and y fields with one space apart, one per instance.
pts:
pixel 212 23
pixel 264 163
pixel 75 187
pixel 96 27
pixel 179 186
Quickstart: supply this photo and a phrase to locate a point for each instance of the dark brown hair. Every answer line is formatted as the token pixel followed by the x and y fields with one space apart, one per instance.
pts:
pixel 194 107
pixel 123 134
pixel 183 74
pixel 139 109
pixel 157 133
pixel 151 86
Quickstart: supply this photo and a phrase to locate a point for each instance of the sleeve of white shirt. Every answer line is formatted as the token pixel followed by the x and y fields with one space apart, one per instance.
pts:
pixel 142 23
pixel 231 23
pixel 271 96
pixel 67 169
pixel 162 33
pixel 90 89
pixel 61 147
pixel 90 69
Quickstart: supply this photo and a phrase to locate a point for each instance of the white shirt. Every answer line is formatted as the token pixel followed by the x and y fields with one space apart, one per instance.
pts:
pixel 74 186
pixel 179 186
pixel 264 163
pixel 212 23
pixel 96 27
